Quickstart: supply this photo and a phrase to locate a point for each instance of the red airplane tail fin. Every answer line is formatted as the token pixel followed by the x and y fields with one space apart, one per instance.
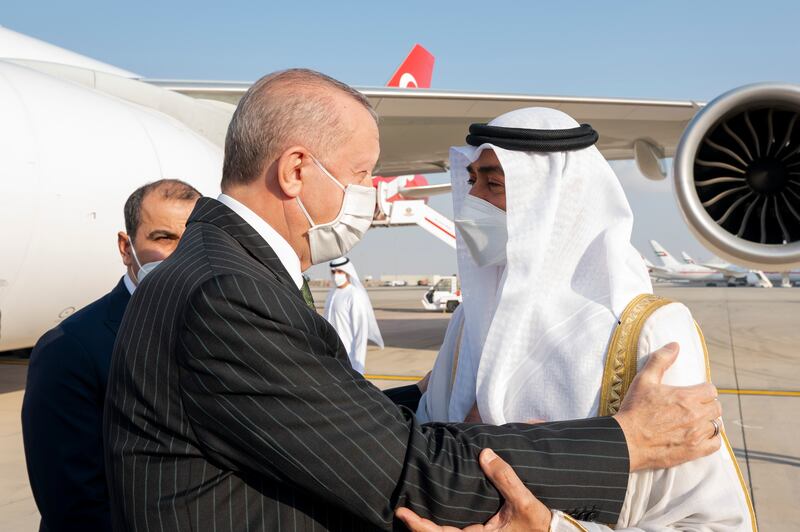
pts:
pixel 416 71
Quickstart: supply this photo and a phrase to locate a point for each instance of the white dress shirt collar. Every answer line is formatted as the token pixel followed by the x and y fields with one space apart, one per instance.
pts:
pixel 279 245
pixel 129 283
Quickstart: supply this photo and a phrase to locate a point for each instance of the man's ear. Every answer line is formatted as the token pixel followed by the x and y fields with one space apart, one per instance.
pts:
pixel 124 245
pixel 292 168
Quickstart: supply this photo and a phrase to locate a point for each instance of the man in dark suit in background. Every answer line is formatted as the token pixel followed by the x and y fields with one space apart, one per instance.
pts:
pixel 232 404
pixel 62 412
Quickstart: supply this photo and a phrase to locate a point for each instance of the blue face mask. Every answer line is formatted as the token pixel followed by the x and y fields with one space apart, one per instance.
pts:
pixel 144 269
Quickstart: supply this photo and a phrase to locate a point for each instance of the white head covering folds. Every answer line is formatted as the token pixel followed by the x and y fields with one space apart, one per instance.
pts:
pixel 535 331
pixel 346 265
pixel 537 328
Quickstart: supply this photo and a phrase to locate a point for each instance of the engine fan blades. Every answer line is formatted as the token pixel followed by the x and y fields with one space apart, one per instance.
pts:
pixel 747 180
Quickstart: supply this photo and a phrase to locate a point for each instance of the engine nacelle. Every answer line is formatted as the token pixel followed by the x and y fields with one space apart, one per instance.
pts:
pixel 737 176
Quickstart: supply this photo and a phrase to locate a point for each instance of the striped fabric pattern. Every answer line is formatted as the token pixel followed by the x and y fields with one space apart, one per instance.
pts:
pixel 231 406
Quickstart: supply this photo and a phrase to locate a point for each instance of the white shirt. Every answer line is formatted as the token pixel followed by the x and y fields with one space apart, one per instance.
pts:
pixel 279 245
pixel 347 309
pixel 129 284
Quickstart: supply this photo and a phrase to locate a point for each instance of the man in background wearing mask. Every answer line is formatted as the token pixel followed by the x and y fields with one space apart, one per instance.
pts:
pixel 232 404
pixel 62 413
pixel 349 310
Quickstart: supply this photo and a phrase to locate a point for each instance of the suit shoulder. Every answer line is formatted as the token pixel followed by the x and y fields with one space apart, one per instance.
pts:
pixel 88 316
pixel 227 257
pixel 55 342
pixel 224 266
pixel 232 285
pixel 59 360
pixel 233 293
pixel 81 331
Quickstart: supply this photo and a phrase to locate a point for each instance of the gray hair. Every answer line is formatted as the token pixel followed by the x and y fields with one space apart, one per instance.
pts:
pixel 173 189
pixel 285 107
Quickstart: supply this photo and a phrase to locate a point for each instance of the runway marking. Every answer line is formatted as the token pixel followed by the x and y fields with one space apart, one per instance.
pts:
pixel 409 378
pixel 415 378
pixel 770 393
pixel 723 391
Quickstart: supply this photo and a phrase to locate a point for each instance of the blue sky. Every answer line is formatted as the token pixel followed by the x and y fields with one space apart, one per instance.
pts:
pixel 679 49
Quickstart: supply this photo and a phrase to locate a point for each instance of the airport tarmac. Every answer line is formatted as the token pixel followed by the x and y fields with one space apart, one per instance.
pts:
pixel 754 343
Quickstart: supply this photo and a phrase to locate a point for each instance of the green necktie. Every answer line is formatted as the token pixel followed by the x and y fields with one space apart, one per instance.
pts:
pixel 307 297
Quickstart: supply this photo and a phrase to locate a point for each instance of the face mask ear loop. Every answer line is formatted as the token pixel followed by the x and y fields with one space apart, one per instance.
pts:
pixel 305 212
pixel 135 258
pixel 325 171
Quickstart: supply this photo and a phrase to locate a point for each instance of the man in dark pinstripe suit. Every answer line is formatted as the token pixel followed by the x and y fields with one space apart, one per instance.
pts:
pixel 232 404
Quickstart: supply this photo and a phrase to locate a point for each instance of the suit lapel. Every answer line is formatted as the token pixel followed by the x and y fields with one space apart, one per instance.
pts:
pixel 213 212
pixel 117 302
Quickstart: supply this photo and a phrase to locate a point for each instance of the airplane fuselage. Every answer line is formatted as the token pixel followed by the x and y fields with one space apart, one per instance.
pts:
pixel 71 157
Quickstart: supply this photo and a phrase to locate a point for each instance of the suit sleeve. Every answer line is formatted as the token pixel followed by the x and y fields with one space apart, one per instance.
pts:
pixel 268 393
pixel 407 396
pixel 62 432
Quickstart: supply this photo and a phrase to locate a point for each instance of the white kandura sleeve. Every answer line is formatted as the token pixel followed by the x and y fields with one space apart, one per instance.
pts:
pixel 707 494
pixel 434 403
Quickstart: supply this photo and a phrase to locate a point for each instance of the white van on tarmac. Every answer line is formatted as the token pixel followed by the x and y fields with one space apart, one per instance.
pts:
pixel 444 295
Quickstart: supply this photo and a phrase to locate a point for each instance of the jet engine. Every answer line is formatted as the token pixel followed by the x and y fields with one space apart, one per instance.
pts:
pixel 737 176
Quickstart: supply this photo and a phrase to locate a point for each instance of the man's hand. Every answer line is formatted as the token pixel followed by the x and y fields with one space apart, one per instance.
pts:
pixel 422 384
pixel 666 425
pixel 474 415
pixel 520 512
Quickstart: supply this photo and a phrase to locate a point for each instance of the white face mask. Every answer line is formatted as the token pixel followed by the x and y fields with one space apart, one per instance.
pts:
pixel 144 269
pixel 339 279
pixel 483 228
pixel 335 238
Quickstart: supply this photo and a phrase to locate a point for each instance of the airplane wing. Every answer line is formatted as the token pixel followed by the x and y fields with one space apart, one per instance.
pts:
pixel 418 126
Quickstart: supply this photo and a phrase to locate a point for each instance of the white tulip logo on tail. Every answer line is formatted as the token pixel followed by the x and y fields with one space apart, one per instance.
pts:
pixel 415 71
pixel 408 80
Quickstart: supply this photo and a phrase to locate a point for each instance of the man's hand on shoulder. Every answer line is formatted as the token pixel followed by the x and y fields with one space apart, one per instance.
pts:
pixel 520 512
pixel 667 425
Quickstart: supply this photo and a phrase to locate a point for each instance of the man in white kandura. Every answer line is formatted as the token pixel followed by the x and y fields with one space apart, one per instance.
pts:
pixel 350 312
pixel 558 311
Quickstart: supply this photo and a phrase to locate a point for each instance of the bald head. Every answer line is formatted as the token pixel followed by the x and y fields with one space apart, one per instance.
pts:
pixel 296 106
